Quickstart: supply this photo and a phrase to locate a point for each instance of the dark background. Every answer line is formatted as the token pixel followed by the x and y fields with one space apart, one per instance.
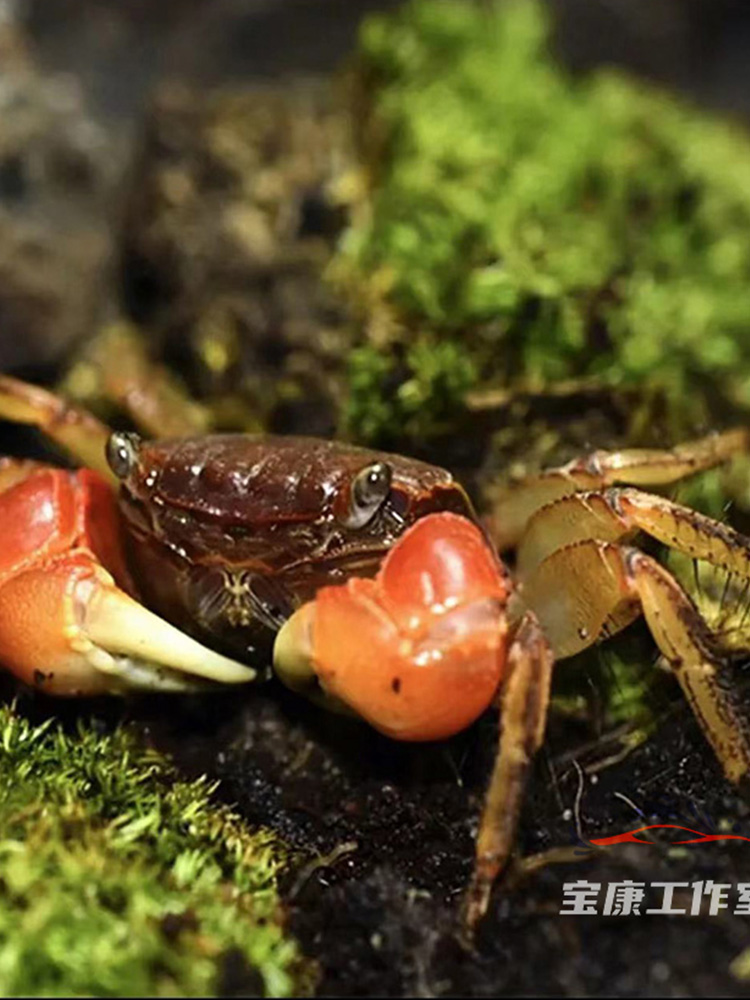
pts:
pixel 118 47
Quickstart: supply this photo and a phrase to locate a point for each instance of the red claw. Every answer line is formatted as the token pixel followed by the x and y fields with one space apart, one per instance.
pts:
pixel 419 651
pixel 68 621
pixel 59 527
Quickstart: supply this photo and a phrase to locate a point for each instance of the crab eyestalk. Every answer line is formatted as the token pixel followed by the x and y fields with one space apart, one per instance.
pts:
pixel 418 652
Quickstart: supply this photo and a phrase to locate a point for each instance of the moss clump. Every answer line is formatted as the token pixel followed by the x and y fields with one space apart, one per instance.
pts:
pixel 118 879
pixel 426 378
pixel 543 226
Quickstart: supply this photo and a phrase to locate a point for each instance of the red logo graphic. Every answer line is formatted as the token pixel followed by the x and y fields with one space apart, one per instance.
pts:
pixel 698 838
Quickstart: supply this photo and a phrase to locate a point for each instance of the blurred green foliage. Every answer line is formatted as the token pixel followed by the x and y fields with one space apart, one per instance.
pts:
pixel 118 879
pixel 526 226
pixel 428 378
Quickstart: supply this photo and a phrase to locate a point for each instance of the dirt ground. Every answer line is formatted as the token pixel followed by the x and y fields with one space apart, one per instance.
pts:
pixel 387 831
pixel 381 919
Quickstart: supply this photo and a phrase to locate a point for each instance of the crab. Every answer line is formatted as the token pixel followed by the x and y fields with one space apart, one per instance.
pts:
pixel 365 578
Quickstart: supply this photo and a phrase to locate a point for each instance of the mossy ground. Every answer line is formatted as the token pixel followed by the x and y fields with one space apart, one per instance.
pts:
pixel 118 878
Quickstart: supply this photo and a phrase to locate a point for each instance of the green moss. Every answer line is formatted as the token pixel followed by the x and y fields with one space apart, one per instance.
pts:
pixel 545 227
pixel 118 879
pixel 428 377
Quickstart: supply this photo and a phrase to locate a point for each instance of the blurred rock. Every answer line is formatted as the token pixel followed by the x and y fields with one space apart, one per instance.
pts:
pixel 236 201
pixel 58 168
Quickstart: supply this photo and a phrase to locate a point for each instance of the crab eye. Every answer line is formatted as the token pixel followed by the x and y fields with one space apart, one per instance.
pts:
pixel 370 488
pixel 122 453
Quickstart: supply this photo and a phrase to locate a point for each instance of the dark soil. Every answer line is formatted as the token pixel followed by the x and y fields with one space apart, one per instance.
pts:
pixel 381 917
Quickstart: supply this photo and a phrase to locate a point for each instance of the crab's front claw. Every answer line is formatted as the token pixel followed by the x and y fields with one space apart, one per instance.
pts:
pixel 419 651
pixel 66 628
pixel 66 624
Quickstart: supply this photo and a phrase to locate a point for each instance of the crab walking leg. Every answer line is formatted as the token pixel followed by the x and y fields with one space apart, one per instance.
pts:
pixel 150 394
pixel 524 698
pixel 513 506
pixel 617 514
pixel 79 433
pixel 606 586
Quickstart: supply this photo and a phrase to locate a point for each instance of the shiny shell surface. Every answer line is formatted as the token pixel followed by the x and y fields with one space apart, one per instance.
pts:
pixel 228 534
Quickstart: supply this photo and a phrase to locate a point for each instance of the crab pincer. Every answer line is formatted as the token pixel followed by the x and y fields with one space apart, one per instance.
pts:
pixel 419 651
pixel 68 625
